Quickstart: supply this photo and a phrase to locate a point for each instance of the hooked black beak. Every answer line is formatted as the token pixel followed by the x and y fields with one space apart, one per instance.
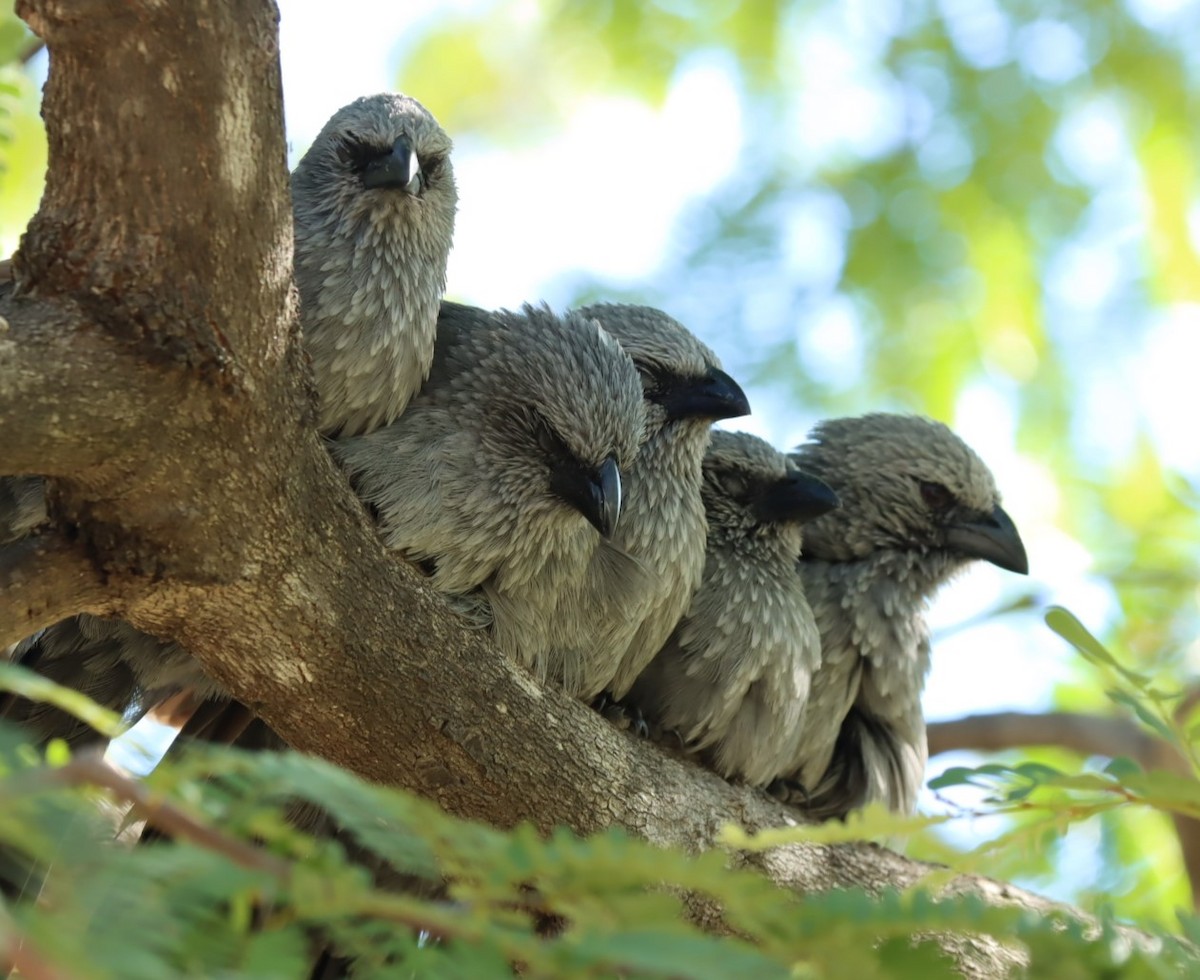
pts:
pixel 993 538
pixel 596 495
pixel 399 169
pixel 795 497
pixel 713 396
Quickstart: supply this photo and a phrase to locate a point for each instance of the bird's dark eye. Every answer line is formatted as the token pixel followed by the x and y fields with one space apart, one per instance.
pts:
pixel 548 440
pixel 936 497
pixel 655 381
pixel 356 154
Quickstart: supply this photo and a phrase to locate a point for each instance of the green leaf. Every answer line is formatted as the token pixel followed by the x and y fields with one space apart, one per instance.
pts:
pixel 1145 715
pixel 15 37
pixel 653 954
pixel 33 686
pixel 1074 632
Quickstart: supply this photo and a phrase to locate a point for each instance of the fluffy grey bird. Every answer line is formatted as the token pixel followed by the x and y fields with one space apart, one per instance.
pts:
pixel 493 475
pixel 733 678
pixel 373 201
pixel 502 479
pixel 918 505
pixel 662 523
pixel 91 655
pixel 662 519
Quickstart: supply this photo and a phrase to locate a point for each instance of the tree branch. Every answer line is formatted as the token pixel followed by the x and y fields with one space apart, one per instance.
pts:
pixel 221 521
pixel 44 579
pixel 1085 734
pixel 58 406
pixel 1088 735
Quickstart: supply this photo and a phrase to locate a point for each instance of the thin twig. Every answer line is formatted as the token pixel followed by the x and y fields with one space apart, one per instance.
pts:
pixel 1103 735
pixel 88 768
pixel 19 954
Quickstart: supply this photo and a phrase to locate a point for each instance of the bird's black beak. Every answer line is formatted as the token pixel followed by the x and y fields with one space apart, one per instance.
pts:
pixel 399 168
pixel 596 495
pixel 795 497
pixel 993 538
pixel 714 395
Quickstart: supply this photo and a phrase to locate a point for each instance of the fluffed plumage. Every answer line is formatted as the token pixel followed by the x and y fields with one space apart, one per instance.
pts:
pixel 918 505
pixel 373 201
pixel 501 478
pixel 662 524
pixel 22 506
pixel 733 678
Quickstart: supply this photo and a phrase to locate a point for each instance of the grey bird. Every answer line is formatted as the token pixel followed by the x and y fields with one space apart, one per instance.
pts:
pixel 503 477
pixel 918 505
pixel 373 201
pixel 733 679
pixel 662 523
pixel 88 654
pixel 502 480
pixel 610 622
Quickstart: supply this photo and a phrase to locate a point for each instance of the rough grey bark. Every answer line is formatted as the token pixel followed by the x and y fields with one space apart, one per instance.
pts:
pixel 151 366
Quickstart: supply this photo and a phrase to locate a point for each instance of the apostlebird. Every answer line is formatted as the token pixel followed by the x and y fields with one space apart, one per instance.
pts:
pixel 917 506
pixel 631 610
pixel 662 523
pixel 503 477
pixel 373 202
pixel 733 679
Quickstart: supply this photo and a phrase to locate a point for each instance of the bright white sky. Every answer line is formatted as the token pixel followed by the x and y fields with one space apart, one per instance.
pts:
pixel 586 210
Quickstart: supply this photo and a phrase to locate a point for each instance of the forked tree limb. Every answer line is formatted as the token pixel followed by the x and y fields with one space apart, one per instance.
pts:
pixel 204 500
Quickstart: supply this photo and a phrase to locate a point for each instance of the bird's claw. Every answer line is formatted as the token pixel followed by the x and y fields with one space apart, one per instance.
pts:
pixel 623 716
pixel 790 791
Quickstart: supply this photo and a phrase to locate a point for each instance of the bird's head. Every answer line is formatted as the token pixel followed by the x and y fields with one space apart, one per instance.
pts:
pixel 682 380
pixel 382 160
pixel 751 490
pixel 907 483
pixel 563 417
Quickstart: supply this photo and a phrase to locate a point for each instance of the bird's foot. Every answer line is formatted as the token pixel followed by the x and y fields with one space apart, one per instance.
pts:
pixel 790 791
pixel 625 717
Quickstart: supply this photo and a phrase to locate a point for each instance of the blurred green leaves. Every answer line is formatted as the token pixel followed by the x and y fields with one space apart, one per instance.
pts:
pixel 22 137
pixel 514 71
pixel 461 899
pixel 964 257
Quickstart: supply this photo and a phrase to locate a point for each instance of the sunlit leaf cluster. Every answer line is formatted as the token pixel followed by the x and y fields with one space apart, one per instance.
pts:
pixel 405 890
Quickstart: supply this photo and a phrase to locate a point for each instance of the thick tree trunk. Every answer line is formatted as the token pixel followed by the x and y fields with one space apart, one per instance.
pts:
pixel 150 365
